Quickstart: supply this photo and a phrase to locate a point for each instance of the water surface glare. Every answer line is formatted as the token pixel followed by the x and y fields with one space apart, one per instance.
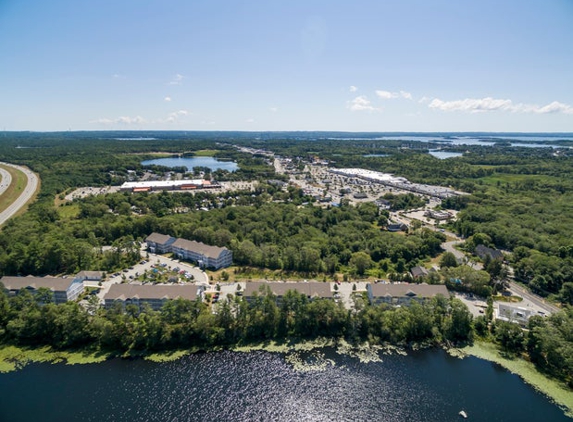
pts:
pixel 259 386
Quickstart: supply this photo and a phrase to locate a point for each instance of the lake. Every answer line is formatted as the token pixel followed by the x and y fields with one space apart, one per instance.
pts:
pixel 444 154
pixel 191 162
pixel 260 386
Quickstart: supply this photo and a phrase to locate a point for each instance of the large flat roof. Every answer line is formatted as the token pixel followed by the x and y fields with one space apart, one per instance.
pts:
pixel 164 184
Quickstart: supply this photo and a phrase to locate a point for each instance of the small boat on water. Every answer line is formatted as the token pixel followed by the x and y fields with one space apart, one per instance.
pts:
pixel 463 414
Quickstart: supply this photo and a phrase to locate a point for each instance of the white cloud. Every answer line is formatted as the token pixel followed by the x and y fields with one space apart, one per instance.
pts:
pixel 173 117
pixel 251 120
pixel 555 107
pixel 472 105
pixel 406 95
pixel 353 88
pixel 167 99
pixel 424 100
pixel 361 103
pixel 177 79
pixel 387 95
pixel 477 105
pixel 124 120
pixel 274 109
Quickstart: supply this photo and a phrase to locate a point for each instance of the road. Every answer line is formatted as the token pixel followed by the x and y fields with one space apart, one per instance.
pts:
pixel 24 197
pixel 5 180
pixel 533 298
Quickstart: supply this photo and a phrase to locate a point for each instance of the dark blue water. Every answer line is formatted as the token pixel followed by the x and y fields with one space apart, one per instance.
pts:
pixel 191 162
pixel 259 386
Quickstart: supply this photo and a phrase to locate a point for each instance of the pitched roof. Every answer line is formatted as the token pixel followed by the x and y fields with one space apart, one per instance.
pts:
pixel 158 238
pixel 198 247
pixel 418 271
pixel 406 289
pixel 482 251
pixel 52 283
pixel 312 289
pixel 151 291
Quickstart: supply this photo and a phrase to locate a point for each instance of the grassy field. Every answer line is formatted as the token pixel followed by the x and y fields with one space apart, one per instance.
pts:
pixel 17 186
pixel 205 153
pixel 515 178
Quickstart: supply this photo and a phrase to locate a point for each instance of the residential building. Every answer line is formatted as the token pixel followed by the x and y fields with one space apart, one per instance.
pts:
pixel 153 294
pixel 396 227
pixel 483 251
pixel 403 293
pixel 63 289
pixel 418 272
pixel 90 275
pixel 313 290
pixel 159 243
pixel 206 256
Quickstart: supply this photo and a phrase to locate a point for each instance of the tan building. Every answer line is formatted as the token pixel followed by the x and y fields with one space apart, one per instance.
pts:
pixel 63 289
pixel 206 256
pixel 153 294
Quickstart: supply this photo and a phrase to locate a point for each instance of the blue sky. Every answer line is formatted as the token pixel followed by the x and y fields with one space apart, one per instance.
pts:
pixel 362 65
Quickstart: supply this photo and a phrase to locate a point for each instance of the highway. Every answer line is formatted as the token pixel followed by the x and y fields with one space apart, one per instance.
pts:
pixel 5 180
pixel 24 197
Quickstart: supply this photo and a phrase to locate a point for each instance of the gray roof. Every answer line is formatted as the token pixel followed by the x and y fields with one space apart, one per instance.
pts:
pixel 312 289
pixel 191 245
pixel 52 283
pixel 408 289
pixel 158 238
pixel 482 251
pixel 418 271
pixel 151 291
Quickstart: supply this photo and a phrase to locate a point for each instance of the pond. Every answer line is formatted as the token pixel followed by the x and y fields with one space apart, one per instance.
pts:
pixel 260 386
pixel 190 162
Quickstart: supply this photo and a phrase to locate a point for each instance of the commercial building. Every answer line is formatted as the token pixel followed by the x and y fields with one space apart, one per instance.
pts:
pixel 506 312
pixel 63 289
pixel 403 293
pixel 159 185
pixel 155 295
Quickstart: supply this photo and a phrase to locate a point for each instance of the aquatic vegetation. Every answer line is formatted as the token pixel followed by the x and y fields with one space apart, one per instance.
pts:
pixel 312 362
pixel 167 356
pixel 13 357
